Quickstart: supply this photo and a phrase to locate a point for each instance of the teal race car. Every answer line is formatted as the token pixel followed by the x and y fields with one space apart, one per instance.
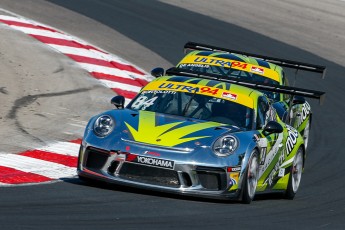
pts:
pixel 256 68
pixel 198 135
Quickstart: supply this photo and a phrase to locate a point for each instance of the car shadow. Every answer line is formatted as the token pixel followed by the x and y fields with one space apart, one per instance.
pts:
pixel 139 191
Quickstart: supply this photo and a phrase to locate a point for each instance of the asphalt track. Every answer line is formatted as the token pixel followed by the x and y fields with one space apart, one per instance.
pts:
pixel 159 29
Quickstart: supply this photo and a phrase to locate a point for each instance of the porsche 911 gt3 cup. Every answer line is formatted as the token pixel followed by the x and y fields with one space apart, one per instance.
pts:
pixel 256 68
pixel 196 135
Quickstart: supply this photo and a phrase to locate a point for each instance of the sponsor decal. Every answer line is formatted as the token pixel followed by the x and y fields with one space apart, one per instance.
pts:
pixel 207 61
pixel 276 169
pixel 233 181
pixel 190 89
pixel 231 96
pixel 152 153
pixel 258 70
pixel 158 91
pixel 130 157
pixel 194 65
pixel 263 156
pixel 156 162
pixel 212 61
pixel 291 139
pixel 234 169
pixel 305 112
pixel 269 156
pixel 214 91
pixel 262 143
pixel 180 87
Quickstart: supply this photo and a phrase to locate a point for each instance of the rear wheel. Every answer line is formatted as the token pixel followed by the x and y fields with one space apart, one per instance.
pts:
pixel 295 175
pixel 251 178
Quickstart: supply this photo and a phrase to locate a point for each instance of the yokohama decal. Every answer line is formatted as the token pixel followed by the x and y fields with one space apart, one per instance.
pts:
pixel 161 163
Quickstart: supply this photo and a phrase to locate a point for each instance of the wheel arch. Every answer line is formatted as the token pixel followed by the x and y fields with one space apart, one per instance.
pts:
pixel 244 164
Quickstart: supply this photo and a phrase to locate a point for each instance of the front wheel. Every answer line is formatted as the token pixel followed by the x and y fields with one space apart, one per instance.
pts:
pixel 295 175
pixel 251 178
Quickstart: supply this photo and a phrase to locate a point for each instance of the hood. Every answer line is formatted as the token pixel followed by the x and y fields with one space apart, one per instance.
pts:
pixel 169 130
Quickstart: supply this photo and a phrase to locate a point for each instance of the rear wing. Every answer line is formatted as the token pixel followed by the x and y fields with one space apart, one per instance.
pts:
pixel 281 62
pixel 254 85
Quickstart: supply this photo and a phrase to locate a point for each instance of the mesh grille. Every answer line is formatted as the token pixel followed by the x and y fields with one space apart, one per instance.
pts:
pixel 95 159
pixel 209 180
pixel 149 175
pixel 212 178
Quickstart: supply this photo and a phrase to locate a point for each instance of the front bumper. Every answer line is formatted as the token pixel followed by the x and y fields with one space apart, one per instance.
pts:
pixel 186 178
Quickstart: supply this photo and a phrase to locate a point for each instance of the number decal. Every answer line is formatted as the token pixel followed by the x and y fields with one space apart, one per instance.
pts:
pixel 148 103
pixel 239 64
pixel 143 102
pixel 209 90
pixel 139 102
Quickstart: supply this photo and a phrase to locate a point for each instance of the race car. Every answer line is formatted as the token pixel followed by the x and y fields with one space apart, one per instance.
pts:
pixel 198 135
pixel 257 68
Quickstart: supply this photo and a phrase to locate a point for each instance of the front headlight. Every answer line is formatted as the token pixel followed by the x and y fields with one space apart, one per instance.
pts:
pixel 225 146
pixel 103 125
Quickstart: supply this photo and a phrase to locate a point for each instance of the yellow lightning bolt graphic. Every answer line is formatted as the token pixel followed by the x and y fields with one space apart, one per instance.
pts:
pixel 149 133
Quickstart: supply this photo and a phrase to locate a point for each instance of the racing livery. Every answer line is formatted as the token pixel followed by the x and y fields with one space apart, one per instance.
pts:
pixel 252 67
pixel 195 135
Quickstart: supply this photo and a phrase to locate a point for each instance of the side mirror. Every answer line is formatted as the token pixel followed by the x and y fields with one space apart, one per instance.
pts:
pixel 157 72
pixel 298 100
pixel 118 101
pixel 272 127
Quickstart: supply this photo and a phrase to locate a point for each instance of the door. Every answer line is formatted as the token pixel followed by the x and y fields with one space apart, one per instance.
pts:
pixel 271 146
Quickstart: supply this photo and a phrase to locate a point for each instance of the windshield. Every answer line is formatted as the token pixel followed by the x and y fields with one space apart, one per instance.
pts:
pixel 194 105
pixel 234 73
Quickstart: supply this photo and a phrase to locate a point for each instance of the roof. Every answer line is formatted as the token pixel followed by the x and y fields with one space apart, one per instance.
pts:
pixel 234 61
pixel 223 90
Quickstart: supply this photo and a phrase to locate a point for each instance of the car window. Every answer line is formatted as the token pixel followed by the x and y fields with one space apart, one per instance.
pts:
pixel 228 112
pixel 266 112
pixel 285 82
pixel 263 107
pixel 193 105
pixel 235 73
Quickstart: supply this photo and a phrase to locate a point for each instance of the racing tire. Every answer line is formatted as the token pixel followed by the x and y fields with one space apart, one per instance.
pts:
pixel 295 175
pixel 251 178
